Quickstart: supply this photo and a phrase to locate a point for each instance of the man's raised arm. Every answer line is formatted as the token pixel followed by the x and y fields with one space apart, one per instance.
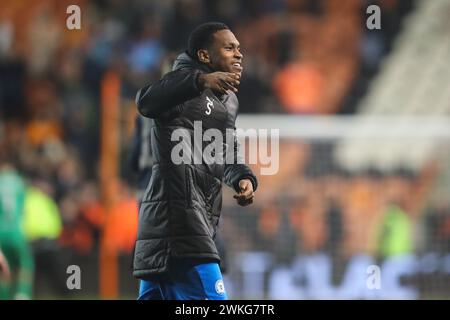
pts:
pixel 179 86
pixel 173 89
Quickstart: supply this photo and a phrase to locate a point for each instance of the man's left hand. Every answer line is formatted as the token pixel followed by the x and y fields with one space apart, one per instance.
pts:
pixel 246 194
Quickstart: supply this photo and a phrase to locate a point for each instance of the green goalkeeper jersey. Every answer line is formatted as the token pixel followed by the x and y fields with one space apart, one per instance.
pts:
pixel 12 197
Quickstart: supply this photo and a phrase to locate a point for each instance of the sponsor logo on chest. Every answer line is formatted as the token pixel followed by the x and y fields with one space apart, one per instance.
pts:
pixel 209 106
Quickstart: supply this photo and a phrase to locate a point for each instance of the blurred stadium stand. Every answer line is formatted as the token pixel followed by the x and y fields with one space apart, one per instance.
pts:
pixel 364 171
pixel 412 83
pixel 322 220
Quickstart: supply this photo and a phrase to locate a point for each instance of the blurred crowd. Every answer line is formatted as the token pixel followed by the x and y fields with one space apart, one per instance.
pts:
pixel 300 56
pixel 315 205
pixel 312 207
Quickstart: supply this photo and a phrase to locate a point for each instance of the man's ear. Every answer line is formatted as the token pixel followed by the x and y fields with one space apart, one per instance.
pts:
pixel 203 56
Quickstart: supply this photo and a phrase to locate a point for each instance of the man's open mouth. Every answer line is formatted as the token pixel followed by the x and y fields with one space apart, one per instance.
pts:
pixel 237 65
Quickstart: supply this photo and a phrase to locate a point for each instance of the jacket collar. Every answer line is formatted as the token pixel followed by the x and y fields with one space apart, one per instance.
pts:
pixel 184 60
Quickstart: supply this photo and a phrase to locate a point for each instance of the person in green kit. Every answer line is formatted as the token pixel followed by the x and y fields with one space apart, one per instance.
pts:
pixel 13 244
pixel 42 226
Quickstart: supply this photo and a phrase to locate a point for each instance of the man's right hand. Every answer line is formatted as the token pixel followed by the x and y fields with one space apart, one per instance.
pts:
pixel 219 82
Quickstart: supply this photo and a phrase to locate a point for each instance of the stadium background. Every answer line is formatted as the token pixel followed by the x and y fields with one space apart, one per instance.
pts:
pixel 364 175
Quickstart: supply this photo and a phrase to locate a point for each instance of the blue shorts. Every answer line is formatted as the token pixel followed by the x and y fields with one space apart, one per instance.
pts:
pixel 187 280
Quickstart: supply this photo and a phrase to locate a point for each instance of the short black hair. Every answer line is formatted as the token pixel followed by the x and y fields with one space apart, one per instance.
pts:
pixel 202 36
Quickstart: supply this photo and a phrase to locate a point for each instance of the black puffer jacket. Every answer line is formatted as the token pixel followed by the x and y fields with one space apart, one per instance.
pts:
pixel 181 206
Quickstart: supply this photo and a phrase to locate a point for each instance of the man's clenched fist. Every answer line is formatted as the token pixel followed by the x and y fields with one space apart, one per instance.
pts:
pixel 246 194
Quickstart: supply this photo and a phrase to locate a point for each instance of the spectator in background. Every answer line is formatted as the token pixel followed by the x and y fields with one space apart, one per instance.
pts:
pixel 299 86
pixel 121 223
pixel 396 233
pixel 12 87
pixel 334 225
pixel 334 234
pixel 333 185
pixel 42 227
pixel 83 216
pixel 12 239
pixel 437 223
pixel 185 16
pixel 146 51
pixel 44 109
pixel 396 230
pixel 277 234
pixel 307 219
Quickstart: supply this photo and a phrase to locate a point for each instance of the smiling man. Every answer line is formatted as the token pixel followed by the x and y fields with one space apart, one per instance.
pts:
pixel 175 255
